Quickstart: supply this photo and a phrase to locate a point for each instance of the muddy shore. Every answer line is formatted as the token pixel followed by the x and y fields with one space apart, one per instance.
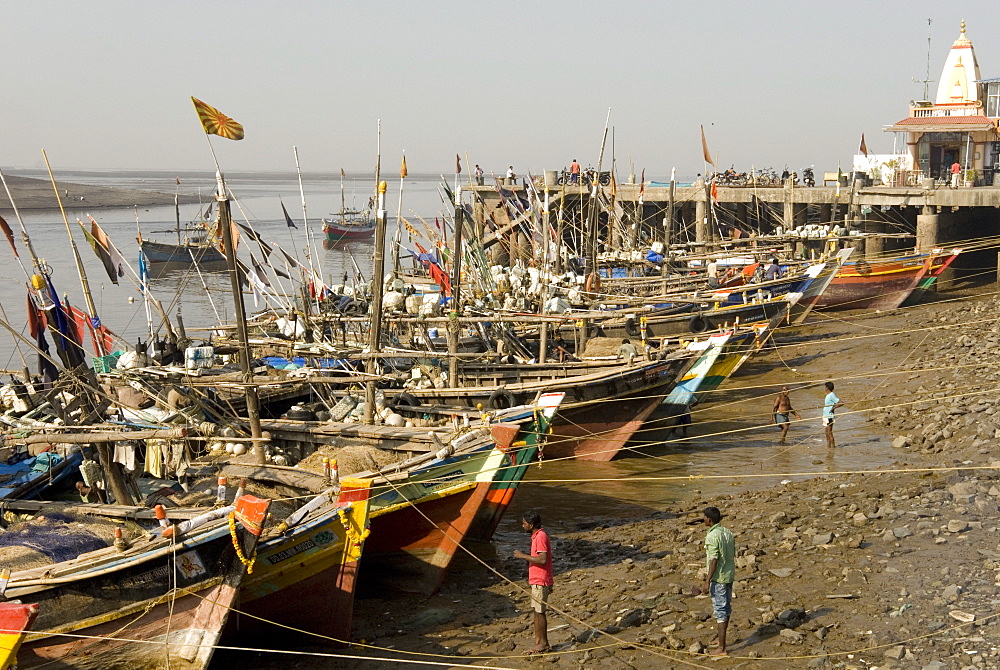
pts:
pixel 844 569
pixel 37 194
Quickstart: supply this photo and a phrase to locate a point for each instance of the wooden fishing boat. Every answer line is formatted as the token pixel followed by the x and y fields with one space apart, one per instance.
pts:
pixel 883 283
pixel 160 601
pixel 163 257
pixel 791 297
pixel 606 401
pixel 15 621
pixel 307 568
pixel 423 507
pixel 350 224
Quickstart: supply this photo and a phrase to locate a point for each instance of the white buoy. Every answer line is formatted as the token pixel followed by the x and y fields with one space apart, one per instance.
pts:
pixel 239 449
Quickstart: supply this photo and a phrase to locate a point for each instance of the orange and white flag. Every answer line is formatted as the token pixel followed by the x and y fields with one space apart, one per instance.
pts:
pixel 215 122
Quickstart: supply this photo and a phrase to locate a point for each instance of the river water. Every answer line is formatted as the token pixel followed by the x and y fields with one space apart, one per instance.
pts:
pixel 256 201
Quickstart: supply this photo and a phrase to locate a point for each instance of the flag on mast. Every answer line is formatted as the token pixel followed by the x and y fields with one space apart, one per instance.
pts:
pixel 288 219
pixel 402 169
pixel 458 165
pixel 215 122
pixel 864 147
pixel 704 148
pixel 10 235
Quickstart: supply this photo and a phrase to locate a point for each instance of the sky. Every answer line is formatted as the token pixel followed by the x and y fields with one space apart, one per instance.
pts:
pixel 107 85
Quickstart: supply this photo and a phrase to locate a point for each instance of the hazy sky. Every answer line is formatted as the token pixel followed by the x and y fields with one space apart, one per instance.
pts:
pixel 108 84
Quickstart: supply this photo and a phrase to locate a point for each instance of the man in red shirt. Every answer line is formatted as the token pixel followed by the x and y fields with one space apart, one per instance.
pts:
pixel 574 172
pixel 956 169
pixel 539 577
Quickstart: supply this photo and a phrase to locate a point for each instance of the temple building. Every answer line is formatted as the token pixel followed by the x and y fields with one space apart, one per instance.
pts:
pixel 960 124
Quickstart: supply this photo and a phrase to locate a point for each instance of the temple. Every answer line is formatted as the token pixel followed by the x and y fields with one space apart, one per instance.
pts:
pixel 960 124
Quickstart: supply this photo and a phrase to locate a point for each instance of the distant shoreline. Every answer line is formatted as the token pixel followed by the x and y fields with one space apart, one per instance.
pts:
pixel 37 195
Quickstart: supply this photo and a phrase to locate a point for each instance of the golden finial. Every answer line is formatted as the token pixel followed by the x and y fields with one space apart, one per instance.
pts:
pixel 963 26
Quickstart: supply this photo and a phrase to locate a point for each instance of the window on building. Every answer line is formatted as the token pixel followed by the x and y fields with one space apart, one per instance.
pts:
pixel 993 99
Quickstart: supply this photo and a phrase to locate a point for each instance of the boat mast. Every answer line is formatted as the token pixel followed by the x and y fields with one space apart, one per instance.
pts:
pixel 85 285
pixel 378 270
pixel 250 389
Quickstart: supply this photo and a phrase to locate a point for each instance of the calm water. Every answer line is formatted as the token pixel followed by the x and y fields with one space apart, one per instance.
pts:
pixel 257 202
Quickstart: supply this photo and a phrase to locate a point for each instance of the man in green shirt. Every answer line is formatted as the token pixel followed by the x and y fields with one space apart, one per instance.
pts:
pixel 720 552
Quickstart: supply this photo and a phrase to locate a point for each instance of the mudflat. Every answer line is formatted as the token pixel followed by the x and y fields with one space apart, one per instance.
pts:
pixel 37 194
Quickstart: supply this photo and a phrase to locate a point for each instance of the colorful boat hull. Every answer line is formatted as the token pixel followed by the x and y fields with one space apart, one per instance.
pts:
pixel 305 579
pixel 173 598
pixel 882 284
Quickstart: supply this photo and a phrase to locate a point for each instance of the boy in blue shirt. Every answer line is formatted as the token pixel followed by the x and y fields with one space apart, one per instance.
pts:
pixel 830 404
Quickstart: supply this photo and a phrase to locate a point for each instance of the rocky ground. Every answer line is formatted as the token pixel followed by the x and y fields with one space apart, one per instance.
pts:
pixel 897 569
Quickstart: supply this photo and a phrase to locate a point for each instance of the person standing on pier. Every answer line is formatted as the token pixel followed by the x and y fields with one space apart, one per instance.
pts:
pixel 574 172
pixel 720 552
pixel 479 175
pixel 830 405
pixel 539 577
pixel 956 170
pixel 781 411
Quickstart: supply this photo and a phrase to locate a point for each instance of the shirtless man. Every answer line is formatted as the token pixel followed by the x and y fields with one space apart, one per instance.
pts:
pixel 779 413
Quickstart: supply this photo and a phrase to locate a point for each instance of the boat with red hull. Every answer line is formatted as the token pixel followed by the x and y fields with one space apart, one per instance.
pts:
pixel 883 283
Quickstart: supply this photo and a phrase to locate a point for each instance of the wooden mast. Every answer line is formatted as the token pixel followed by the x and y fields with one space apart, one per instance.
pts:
pixel 378 271
pixel 454 327
pixel 253 402
pixel 85 285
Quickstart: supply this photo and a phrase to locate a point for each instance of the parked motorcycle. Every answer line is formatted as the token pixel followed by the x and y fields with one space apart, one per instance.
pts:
pixel 808 178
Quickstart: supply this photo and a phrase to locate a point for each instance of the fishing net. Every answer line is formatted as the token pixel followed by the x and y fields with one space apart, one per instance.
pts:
pixel 57 535
pixel 351 459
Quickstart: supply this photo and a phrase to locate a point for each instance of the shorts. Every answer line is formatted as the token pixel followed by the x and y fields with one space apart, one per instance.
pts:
pixel 540 597
pixel 780 418
pixel 828 420
pixel 722 597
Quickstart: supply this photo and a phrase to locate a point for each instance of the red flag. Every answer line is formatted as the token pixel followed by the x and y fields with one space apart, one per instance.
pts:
pixel 715 193
pixel 864 147
pixel 704 148
pixel 642 184
pixel 458 165
pixel 10 235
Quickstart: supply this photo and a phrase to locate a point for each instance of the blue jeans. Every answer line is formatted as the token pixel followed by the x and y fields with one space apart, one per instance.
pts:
pixel 722 596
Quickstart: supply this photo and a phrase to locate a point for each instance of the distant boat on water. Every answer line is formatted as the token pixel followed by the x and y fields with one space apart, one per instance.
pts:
pixel 349 224
pixel 199 249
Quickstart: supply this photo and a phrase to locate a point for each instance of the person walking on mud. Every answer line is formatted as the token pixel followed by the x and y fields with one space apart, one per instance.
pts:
pixel 830 405
pixel 720 552
pixel 781 411
pixel 539 577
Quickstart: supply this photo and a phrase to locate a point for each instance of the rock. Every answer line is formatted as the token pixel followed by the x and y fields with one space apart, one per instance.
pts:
pixel 696 648
pixel 674 643
pixel 963 488
pixel 634 618
pixel 901 442
pixel 853 578
pixel 822 538
pixel 778 519
pixel 782 572
pixel 951 592
pixel 859 519
pixel 586 636
pixel 901 532
pixel 791 617
pixel 935 665
pixel 792 636
pixel 896 653
pixel 433 616
pixel 957 526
